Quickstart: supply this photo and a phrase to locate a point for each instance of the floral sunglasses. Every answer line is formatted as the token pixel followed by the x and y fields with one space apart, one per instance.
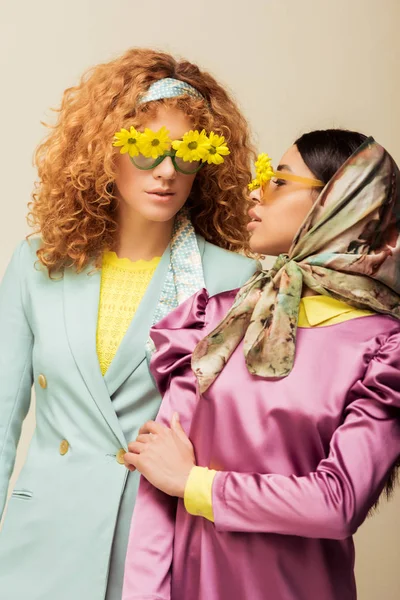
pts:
pixel 148 149
pixel 265 172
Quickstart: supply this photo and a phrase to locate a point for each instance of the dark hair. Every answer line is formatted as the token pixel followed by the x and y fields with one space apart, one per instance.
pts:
pixel 325 151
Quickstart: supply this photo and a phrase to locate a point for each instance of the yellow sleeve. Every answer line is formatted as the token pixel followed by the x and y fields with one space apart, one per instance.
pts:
pixel 198 493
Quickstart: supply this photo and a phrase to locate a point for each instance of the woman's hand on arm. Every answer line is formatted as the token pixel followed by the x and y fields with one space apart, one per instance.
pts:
pixel 163 455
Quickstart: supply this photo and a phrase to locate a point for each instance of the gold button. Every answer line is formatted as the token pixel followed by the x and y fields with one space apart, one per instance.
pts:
pixel 64 447
pixel 42 381
pixel 120 456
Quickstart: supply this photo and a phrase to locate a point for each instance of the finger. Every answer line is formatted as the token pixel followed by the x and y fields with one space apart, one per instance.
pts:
pixel 145 438
pixel 136 447
pixel 152 427
pixel 177 427
pixel 131 460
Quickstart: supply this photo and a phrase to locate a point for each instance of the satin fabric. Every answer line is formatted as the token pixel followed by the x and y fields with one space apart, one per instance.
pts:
pixel 300 461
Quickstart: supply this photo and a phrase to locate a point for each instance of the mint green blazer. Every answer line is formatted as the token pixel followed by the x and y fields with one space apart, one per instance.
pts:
pixel 67 524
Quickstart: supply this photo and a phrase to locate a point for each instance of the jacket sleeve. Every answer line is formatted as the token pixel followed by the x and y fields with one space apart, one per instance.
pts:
pixel 150 548
pixel 16 342
pixel 334 500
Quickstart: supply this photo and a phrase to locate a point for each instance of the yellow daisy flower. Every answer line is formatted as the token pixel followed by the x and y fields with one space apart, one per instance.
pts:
pixel 154 144
pixel 218 149
pixel 254 185
pixel 128 141
pixel 193 146
pixel 264 170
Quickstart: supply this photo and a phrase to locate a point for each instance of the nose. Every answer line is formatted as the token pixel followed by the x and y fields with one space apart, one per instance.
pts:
pixel 165 170
pixel 255 195
pixel 265 193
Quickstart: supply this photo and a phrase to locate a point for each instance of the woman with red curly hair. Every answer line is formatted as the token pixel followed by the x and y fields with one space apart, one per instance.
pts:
pixel 141 196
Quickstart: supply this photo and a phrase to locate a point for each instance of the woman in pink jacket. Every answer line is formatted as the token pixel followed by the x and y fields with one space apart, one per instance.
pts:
pixel 289 391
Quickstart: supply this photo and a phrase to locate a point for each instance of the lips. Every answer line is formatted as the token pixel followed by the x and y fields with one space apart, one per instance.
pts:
pixel 255 219
pixel 253 215
pixel 160 194
pixel 161 191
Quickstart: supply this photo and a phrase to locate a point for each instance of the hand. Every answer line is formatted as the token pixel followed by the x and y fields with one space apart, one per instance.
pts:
pixel 163 455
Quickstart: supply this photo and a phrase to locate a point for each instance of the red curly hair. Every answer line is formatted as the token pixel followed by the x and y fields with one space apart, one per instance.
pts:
pixel 73 207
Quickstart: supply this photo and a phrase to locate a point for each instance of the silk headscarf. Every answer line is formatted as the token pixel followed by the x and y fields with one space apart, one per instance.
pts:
pixel 347 248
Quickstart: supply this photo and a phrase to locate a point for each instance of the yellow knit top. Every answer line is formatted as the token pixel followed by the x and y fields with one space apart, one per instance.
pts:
pixel 123 285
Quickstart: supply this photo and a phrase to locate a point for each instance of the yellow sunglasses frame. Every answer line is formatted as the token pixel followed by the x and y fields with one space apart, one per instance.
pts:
pixel 298 179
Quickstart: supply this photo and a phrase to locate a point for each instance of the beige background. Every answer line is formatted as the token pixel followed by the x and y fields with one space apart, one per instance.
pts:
pixel 293 66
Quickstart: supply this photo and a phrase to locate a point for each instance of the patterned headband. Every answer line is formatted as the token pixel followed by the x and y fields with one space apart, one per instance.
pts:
pixel 169 88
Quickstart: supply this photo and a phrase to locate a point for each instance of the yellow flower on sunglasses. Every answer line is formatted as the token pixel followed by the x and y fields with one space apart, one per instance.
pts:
pixel 154 144
pixel 128 140
pixel 218 149
pixel 264 171
pixel 254 185
pixel 193 146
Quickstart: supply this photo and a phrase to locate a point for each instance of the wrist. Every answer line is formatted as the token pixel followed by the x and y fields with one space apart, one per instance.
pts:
pixel 181 481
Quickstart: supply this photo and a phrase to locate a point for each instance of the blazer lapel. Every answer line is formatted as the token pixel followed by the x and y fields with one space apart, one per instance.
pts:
pixel 132 349
pixel 201 242
pixel 81 304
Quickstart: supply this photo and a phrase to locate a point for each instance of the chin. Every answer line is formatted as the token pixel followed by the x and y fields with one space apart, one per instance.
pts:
pixel 258 243
pixel 162 215
pixel 265 249
pixel 160 218
pixel 257 246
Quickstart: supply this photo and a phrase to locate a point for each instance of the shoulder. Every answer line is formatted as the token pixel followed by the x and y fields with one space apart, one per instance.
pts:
pixel 224 270
pixel 390 332
pixel 375 329
pixel 24 261
pixel 26 250
pixel 23 253
pixel 382 375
